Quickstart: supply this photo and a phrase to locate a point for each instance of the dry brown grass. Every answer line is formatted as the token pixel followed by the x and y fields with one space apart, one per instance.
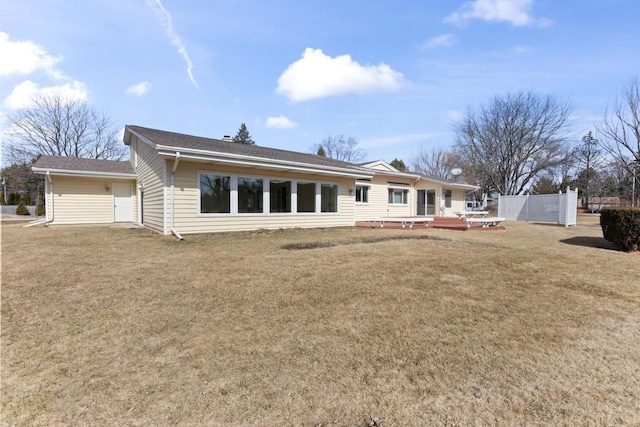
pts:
pixel 535 325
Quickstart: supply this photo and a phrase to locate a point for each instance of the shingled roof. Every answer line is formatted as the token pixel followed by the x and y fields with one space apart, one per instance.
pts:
pixel 81 166
pixel 217 146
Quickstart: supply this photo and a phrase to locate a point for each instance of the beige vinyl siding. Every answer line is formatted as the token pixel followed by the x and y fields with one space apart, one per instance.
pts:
pixel 427 185
pixel 378 205
pixel 81 200
pixel 457 197
pixel 189 220
pixel 457 202
pixel 149 167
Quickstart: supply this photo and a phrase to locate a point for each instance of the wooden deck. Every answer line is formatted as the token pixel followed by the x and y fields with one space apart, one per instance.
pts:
pixel 438 222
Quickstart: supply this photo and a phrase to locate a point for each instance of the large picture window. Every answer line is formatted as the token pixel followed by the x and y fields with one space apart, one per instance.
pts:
pixel 279 196
pixel 398 196
pixel 250 199
pixel 328 197
pixel 245 195
pixel 215 193
pixel 306 196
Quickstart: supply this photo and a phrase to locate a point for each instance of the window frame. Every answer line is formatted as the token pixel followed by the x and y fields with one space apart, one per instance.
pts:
pixel 266 195
pixel 391 196
pixel 221 174
pixel 365 189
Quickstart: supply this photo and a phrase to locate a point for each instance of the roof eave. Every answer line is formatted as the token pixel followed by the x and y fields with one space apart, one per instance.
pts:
pixel 240 160
pixel 88 174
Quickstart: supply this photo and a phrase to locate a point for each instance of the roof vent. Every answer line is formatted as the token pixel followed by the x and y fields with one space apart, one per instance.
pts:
pixel 227 138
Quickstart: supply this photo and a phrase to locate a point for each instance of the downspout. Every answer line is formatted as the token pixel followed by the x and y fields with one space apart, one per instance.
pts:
pixel 173 194
pixel 44 221
pixel 50 182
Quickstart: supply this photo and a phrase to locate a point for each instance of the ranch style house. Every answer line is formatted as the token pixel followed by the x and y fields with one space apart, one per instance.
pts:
pixel 182 184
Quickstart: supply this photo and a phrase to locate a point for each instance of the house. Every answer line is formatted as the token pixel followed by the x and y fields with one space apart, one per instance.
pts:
pixel 596 204
pixel 181 184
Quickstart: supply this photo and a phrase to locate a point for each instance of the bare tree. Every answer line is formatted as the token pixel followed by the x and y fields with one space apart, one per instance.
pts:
pixel 513 139
pixel 435 162
pixel 619 131
pixel 589 161
pixel 340 148
pixel 58 125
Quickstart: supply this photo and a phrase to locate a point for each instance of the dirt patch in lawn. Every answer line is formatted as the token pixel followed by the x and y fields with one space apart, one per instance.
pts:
pixel 121 327
pixel 329 244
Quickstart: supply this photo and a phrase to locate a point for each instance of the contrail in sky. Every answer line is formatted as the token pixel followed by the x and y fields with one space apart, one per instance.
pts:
pixel 165 21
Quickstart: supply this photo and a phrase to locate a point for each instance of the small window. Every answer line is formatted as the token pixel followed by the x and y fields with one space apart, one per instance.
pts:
pixel 397 196
pixel 250 198
pixel 447 198
pixel 280 196
pixel 328 198
pixel 306 196
pixel 362 194
pixel 215 193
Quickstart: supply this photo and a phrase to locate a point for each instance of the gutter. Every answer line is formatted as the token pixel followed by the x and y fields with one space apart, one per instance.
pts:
pixel 235 159
pixel 90 174
pixel 173 196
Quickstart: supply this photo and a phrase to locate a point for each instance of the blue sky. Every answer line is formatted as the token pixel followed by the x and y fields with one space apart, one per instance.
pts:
pixel 394 75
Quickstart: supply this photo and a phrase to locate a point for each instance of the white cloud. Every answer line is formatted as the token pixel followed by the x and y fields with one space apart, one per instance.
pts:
pixel 23 94
pixel 139 89
pixel 166 22
pixel 445 40
pixel 25 57
pixel 280 122
pixel 454 115
pixel 516 12
pixel 316 75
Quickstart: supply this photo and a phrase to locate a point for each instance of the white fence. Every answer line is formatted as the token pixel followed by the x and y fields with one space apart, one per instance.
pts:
pixel 561 208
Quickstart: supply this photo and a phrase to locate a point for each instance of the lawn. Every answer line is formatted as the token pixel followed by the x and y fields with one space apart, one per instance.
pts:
pixel 535 325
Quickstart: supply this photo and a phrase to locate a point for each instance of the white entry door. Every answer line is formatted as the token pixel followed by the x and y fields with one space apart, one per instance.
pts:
pixel 122 203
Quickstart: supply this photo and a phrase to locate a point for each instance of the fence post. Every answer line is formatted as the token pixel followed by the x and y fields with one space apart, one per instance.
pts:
pixel 499 206
pixel 566 208
pixel 526 202
pixel 560 204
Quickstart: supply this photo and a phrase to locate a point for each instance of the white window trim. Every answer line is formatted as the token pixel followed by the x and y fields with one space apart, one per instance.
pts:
pixel 368 186
pixel 266 203
pixel 319 198
pixel 392 187
pixel 216 214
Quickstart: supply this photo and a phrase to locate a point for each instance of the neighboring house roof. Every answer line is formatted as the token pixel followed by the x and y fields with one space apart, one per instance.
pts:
pixel 169 143
pixel 58 165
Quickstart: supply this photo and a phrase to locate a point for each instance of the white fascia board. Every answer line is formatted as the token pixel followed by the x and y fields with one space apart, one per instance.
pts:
pixel 451 184
pixel 396 174
pixel 89 174
pixel 140 137
pixel 236 160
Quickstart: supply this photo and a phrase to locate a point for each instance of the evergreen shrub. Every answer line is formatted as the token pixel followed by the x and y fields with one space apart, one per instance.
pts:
pixel 621 226
pixel 22 209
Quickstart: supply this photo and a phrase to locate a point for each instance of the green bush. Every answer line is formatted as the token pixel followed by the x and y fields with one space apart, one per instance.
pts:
pixel 14 199
pixel 22 209
pixel 622 227
pixel 40 210
pixel 2 200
